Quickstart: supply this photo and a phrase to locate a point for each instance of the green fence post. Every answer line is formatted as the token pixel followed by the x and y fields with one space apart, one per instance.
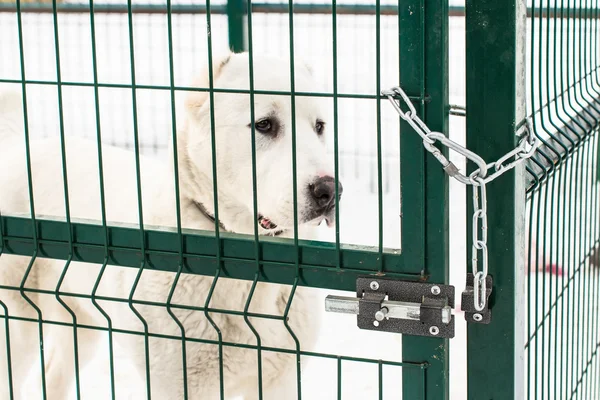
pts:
pixel 495 68
pixel 427 47
pixel 236 17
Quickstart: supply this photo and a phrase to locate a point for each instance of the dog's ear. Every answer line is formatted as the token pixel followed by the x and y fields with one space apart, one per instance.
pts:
pixel 195 100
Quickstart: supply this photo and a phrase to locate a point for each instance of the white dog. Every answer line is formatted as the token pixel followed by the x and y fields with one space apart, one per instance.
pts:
pixel 232 125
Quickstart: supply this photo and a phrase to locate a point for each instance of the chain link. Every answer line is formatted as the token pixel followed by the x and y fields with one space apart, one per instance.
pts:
pixel 478 179
pixel 479 242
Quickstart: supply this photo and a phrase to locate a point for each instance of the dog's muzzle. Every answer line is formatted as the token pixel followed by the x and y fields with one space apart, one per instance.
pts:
pixel 322 195
pixel 322 192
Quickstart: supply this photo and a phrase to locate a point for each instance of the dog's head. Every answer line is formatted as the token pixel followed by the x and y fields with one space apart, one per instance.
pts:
pixel 273 119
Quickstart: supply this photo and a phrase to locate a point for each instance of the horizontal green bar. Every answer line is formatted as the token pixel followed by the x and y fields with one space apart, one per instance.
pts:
pixel 142 302
pixel 537 176
pixel 546 105
pixel 539 172
pixel 214 90
pixel 403 364
pixel 318 260
pixel 257 8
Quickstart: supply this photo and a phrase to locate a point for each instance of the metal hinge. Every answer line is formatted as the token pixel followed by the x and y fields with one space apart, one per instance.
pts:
pixel 389 305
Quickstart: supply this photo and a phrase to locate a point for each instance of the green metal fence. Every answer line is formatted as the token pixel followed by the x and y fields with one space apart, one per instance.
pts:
pixel 552 353
pixel 31 240
pixel 562 328
pixel 538 63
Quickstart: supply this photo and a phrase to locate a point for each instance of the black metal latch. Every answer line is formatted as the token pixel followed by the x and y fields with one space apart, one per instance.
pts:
pixel 467 302
pixel 389 305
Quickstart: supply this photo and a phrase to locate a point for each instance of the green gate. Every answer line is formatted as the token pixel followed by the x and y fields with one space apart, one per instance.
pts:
pixel 422 51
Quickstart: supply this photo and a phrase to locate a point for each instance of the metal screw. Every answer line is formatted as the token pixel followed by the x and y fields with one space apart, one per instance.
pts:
pixel 376 323
pixel 374 285
pixel 477 317
pixel 434 330
pixel 436 290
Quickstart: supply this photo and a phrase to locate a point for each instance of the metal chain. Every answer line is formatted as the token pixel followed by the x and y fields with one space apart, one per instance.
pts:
pixel 477 179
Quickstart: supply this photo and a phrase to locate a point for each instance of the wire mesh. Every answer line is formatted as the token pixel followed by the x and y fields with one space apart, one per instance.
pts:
pixel 357 150
pixel 198 315
pixel 563 236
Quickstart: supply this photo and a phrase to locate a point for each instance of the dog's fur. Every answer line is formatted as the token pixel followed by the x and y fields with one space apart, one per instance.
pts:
pixel 234 172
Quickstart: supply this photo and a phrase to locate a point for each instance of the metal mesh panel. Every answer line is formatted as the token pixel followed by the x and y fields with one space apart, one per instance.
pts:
pixel 563 220
pixel 357 113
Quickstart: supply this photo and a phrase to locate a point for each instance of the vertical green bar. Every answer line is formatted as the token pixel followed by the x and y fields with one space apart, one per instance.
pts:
pixel 495 41
pixel 412 60
pixel 432 80
pixel 236 15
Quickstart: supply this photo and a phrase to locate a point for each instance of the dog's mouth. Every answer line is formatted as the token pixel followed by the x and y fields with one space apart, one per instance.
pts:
pixel 266 223
pixel 330 221
pixel 328 217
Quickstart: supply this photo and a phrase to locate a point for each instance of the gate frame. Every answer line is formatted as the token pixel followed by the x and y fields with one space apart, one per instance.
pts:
pixel 495 101
pixel 429 73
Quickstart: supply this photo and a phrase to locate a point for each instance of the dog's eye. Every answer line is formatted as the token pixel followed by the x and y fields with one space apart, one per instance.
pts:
pixel 319 127
pixel 263 126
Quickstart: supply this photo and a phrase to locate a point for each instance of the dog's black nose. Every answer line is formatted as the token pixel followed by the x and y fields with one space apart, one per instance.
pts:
pixel 323 192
